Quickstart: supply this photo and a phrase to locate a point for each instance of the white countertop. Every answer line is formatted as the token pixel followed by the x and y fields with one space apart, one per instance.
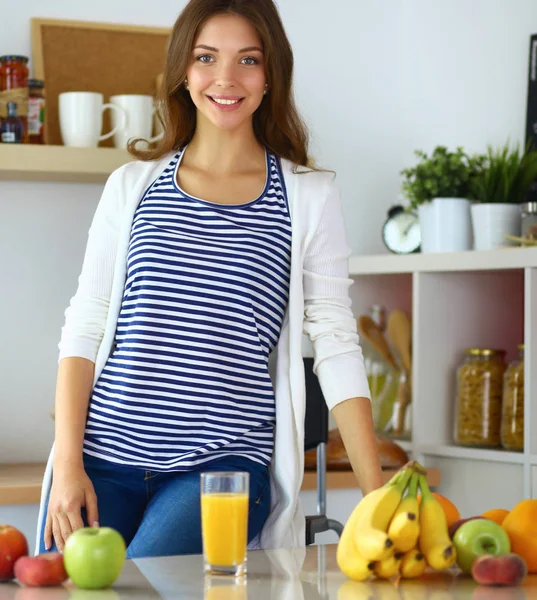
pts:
pixel 298 574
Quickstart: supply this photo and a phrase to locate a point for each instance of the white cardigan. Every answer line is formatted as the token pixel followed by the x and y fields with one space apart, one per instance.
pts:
pixel 319 306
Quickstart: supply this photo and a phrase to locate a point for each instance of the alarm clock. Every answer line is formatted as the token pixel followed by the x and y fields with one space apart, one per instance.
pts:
pixel 401 232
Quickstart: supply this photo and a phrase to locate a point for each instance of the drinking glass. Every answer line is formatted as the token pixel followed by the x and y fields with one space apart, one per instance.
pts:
pixel 224 521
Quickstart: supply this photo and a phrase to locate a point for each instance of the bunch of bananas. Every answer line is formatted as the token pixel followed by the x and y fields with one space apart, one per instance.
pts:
pixel 388 534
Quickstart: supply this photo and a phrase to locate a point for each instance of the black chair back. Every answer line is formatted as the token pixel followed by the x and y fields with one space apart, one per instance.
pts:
pixel 316 421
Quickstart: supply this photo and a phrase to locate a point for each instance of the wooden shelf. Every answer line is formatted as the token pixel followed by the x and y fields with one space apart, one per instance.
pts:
pixel 21 483
pixel 345 480
pixel 490 260
pixel 28 162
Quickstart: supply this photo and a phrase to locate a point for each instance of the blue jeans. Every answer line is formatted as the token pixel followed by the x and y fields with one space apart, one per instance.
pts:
pixel 159 513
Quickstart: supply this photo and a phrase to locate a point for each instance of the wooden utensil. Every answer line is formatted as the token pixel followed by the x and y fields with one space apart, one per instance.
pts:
pixel 372 333
pixel 400 336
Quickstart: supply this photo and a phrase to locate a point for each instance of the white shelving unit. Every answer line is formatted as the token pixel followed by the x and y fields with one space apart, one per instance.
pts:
pixel 457 301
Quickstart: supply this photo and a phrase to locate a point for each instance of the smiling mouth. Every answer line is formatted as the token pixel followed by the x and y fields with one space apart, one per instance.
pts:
pixel 223 102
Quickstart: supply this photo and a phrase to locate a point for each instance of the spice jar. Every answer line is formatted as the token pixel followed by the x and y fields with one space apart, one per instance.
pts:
pixel 512 430
pixel 14 87
pixel 529 220
pixel 479 398
pixel 36 111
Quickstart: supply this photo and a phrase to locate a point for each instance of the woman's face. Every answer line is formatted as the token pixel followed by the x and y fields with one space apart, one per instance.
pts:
pixel 227 65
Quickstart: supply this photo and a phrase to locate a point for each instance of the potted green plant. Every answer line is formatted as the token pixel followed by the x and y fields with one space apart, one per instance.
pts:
pixel 500 189
pixel 439 187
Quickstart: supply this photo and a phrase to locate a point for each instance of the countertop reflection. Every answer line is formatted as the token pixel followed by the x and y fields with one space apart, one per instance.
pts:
pixel 286 574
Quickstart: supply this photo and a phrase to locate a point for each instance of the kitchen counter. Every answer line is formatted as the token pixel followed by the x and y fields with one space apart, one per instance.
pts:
pixel 20 483
pixel 296 574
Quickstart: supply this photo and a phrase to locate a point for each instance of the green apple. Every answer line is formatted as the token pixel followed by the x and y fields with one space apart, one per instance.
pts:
pixel 94 556
pixel 477 537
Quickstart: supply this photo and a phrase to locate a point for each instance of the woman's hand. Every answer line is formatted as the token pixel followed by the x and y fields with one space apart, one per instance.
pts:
pixel 71 490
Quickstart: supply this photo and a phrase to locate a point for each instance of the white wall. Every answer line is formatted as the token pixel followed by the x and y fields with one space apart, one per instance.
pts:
pixel 464 72
pixel 374 80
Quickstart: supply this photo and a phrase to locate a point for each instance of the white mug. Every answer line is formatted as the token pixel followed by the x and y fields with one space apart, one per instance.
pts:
pixel 81 118
pixel 139 110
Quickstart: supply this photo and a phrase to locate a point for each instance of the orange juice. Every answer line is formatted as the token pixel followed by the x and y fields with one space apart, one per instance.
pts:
pixel 224 518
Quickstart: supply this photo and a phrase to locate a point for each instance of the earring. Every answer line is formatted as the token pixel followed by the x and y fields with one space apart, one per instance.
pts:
pixel 266 89
pixel 186 85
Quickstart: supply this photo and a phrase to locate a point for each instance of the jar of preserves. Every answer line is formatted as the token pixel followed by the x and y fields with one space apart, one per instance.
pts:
pixel 36 111
pixel 14 87
pixel 512 430
pixel 479 398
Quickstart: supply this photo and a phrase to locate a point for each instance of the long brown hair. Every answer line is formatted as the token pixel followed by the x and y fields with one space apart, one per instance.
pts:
pixel 277 124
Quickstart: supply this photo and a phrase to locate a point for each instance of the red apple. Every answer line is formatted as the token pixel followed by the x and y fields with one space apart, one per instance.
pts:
pixel 43 569
pixel 13 545
pixel 460 522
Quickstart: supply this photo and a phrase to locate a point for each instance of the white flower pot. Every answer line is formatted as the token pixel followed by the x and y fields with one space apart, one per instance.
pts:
pixel 445 225
pixel 491 222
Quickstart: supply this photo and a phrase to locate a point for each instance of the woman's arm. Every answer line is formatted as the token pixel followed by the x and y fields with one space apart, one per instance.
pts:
pixel 331 326
pixel 73 389
pixel 355 424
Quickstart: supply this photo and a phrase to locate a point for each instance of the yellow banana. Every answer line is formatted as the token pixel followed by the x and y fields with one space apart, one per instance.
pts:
pixel 434 541
pixel 370 533
pixel 349 561
pixel 404 527
pixel 413 564
pixel 389 567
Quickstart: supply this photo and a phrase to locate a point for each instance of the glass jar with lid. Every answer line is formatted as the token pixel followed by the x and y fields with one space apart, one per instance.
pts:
pixel 528 212
pixel 512 430
pixel 478 412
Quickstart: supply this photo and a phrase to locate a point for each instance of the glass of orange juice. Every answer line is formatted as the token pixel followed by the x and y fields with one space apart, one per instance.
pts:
pixel 224 521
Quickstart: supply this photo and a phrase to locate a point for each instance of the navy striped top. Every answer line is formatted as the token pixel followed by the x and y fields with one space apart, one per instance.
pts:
pixel 206 291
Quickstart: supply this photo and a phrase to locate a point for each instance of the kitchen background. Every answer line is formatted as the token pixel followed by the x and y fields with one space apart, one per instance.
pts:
pixel 383 79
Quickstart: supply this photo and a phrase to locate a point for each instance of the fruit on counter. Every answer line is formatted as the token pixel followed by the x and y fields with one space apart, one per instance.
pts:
pixel 41 570
pixel 13 545
pixel 496 514
pixel 434 541
pixel 404 527
pixel 413 564
pixel 457 524
pixel 361 523
pixel 521 525
pixel 389 567
pixel 450 510
pixel 370 534
pixel 349 561
pixel 477 537
pixel 508 569
pixel 94 556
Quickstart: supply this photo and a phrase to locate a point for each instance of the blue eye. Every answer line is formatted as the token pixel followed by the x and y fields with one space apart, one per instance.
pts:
pixel 199 58
pixel 255 61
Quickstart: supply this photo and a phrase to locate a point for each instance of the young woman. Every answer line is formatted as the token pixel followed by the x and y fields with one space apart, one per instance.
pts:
pixel 207 256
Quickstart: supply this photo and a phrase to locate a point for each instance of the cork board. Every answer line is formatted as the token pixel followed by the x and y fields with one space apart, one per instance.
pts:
pixel 80 56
